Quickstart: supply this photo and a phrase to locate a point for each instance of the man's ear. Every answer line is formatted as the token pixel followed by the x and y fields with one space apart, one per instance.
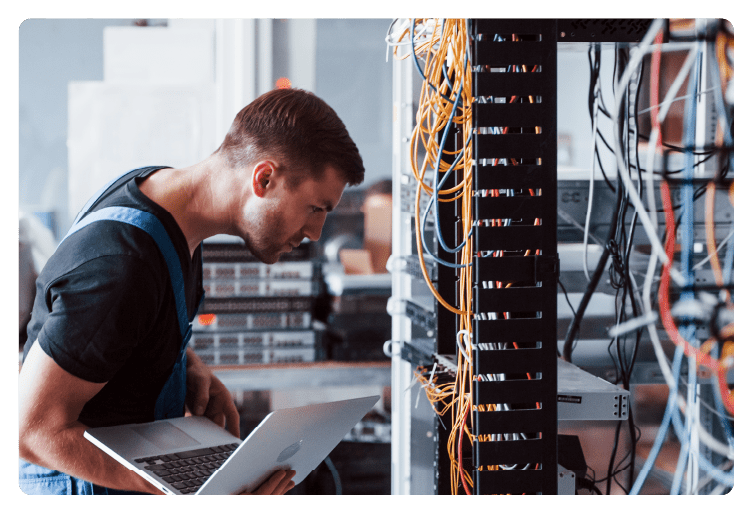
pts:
pixel 263 173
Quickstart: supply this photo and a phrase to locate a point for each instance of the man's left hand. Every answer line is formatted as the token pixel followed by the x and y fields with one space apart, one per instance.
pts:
pixel 207 396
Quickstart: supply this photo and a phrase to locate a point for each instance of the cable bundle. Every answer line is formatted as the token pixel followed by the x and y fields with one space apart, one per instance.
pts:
pixel 440 50
pixel 708 46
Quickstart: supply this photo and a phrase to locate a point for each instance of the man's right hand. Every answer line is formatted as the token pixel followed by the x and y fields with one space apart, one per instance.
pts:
pixel 278 483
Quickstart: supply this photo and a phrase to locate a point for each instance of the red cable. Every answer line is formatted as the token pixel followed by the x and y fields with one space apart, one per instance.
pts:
pixel 667 317
pixel 665 314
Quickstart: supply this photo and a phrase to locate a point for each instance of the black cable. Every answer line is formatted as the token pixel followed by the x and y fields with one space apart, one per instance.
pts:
pixel 566 296
pixel 636 126
pixel 388 31
pixel 707 150
pixel 619 281
pixel 594 475
pixel 604 141
pixel 573 328
pixel 594 73
pixel 612 456
pixel 629 294
pixel 632 449
pixel 586 483
pixel 602 170
pixel 604 112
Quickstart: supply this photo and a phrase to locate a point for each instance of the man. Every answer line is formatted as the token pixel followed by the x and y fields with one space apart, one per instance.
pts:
pixel 106 341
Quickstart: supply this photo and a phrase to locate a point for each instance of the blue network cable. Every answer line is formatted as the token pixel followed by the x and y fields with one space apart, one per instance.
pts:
pixel 728 265
pixel 437 227
pixel 672 416
pixel 664 426
pixel 688 332
pixel 436 169
pixel 439 184
pixel 725 478
pixel 719 404
pixel 680 468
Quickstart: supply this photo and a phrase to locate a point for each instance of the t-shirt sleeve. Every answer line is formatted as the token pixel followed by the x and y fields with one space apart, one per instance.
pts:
pixel 98 313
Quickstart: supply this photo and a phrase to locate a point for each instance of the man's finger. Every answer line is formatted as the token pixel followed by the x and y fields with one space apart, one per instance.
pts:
pixel 199 393
pixel 286 484
pixel 278 483
pixel 223 412
pixel 233 419
pixel 218 419
pixel 269 485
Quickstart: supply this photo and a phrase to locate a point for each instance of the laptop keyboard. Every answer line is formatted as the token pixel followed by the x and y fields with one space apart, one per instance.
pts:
pixel 187 471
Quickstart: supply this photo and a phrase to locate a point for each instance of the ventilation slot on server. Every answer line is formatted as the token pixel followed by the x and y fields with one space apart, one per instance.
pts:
pixel 515 296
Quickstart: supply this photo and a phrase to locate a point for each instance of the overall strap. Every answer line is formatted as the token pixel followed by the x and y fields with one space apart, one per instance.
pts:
pixel 93 199
pixel 149 223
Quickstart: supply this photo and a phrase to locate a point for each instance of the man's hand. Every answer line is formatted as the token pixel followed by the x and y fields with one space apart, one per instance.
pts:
pixel 49 402
pixel 278 483
pixel 207 396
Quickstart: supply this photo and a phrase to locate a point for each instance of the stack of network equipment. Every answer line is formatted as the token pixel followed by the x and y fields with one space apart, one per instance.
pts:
pixel 255 313
pixel 358 322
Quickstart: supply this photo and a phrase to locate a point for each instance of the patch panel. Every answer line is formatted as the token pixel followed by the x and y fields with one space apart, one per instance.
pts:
pixel 254 340
pixel 251 321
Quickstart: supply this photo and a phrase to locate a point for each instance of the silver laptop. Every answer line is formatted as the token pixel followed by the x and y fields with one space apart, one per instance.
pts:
pixel 193 455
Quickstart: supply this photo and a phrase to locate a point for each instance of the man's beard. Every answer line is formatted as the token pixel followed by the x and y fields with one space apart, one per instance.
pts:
pixel 265 246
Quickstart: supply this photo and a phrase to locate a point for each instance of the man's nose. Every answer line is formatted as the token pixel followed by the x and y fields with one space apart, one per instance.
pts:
pixel 313 229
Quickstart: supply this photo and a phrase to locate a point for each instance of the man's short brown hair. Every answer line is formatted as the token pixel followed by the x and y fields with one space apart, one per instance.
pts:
pixel 298 128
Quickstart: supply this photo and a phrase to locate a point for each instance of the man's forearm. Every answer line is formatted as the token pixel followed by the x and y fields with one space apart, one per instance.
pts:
pixel 68 451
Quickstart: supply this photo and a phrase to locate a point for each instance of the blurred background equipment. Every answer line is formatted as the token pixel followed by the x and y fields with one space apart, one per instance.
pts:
pixel 36 243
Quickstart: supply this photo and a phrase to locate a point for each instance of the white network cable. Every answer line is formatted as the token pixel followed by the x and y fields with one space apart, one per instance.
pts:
pixel 704 436
pixel 720 246
pixel 400 25
pixel 679 98
pixel 633 63
pixel 459 335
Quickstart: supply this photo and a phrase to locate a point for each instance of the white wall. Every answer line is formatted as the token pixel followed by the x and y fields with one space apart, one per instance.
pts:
pixel 344 63
pixel 51 54
pixel 352 75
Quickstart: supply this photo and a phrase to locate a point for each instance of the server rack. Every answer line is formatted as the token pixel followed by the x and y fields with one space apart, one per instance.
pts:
pixel 530 303
pixel 515 240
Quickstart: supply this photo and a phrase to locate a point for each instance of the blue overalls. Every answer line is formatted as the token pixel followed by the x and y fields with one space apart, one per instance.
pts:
pixel 34 479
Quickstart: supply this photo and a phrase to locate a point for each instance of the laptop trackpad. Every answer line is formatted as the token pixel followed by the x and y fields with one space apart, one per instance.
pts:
pixel 165 435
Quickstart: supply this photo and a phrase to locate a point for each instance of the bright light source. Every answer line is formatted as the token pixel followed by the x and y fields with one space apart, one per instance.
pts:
pixel 283 83
pixel 206 319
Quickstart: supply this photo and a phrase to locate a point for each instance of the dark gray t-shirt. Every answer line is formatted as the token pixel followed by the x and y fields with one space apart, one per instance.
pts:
pixel 105 310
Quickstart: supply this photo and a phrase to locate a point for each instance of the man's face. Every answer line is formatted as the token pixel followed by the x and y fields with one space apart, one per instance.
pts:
pixel 284 216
